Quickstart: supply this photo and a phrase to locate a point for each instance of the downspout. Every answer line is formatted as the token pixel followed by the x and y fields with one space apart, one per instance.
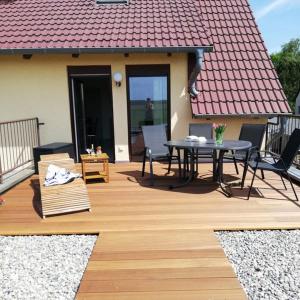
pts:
pixel 197 68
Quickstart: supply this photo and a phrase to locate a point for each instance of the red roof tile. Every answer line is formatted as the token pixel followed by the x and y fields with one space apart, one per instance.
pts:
pixel 237 78
pixel 249 81
pixel 27 24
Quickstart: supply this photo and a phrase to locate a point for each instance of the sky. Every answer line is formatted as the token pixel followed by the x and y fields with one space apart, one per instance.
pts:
pixel 278 21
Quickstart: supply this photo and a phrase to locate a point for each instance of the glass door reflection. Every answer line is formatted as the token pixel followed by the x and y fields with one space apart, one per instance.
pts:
pixel 148 105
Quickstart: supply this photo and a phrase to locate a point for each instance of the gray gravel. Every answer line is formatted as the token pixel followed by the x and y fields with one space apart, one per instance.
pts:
pixel 43 267
pixel 267 262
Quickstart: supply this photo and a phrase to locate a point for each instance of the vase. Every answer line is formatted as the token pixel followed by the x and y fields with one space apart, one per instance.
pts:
pixel 219 138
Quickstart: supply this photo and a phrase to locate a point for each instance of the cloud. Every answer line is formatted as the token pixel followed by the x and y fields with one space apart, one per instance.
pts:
pixel 274 5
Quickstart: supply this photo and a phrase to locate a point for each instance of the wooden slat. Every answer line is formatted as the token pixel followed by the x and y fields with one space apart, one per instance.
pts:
pixel 159 273
pixel 56 156
pixel 168 295
pixel 158 263
pixel 170 284
pixel 209 251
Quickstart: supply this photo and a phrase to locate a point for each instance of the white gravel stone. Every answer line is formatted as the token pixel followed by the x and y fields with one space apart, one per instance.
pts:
pixel 266 262
pixel 43 267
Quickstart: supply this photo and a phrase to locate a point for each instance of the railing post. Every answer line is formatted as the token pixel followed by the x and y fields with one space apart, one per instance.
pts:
pixel 1 176
pixel 267 137
pixel 281 130
pixel 38 124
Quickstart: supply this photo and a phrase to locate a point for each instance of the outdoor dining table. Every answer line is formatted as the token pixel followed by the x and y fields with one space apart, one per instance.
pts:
pixel 191 147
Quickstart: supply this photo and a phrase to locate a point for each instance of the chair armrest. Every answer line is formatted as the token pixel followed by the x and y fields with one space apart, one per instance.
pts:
pixel 273 154
pixel 250 152
pixel 259 153
pixel 147 150
pixel 276 157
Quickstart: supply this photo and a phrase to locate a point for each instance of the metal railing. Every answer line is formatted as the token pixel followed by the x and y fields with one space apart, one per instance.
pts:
pixel 278 132
pixel 17 140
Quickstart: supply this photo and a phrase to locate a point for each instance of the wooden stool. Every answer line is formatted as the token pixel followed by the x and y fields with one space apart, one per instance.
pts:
pixel 95 159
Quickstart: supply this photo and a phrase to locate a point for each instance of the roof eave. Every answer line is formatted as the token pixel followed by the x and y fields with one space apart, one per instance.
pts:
pixel 254 115
pixel 21 51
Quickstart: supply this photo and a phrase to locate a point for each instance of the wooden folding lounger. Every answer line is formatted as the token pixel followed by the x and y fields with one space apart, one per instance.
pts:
pixel 58 199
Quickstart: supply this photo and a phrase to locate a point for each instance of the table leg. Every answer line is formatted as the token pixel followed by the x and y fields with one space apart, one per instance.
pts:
pixel 107 171
pixel 224 187
pixel 191 173
pixel 179 162
pixel 215 165
pixel 185 162
pixel 83 171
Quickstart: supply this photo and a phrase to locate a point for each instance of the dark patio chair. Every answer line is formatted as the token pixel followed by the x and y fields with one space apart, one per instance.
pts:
pixel 154 139
pixel 253 133
pixel 280 163
pixel 202 129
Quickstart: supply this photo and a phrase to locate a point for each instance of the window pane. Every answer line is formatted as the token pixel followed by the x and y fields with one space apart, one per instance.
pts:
pixel 148 106
pixel 142 88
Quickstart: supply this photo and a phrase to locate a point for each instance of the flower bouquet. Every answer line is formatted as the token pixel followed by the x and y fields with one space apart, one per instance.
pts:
pixel 219 131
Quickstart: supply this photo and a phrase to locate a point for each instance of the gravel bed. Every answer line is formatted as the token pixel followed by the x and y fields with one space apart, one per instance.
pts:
pixel 267 263
pixel 43 267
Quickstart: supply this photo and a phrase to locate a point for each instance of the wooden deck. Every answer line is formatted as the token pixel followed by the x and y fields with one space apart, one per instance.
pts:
pixel 155 243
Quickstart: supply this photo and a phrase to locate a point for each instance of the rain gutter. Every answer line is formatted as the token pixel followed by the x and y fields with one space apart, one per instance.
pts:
pixel 104 50
pixel 192 89
pixel 254 115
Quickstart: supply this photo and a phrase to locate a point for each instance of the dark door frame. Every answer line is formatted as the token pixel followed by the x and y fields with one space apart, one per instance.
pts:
pixel 148 71
pixel 85 72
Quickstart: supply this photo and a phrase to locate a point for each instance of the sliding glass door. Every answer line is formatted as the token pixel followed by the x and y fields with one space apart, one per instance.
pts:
pixel 148 104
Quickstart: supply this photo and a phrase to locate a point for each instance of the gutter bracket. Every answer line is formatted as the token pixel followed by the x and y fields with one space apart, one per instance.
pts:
pixel 196 70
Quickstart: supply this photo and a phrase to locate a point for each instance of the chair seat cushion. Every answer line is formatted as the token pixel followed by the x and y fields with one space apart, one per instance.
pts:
pixel 159 155
pixel 204 152
pixel 239 155
pixel 276 167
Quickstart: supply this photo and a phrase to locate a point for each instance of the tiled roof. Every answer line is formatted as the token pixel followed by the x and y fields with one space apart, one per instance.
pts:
pixel 27 24
pixel 238 77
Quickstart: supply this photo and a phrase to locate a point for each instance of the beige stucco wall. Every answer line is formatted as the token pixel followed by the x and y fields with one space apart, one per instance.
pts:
pixel 39 88
pixel 233 124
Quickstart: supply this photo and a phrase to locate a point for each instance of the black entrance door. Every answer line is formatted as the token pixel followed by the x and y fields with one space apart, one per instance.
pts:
pixel 92 113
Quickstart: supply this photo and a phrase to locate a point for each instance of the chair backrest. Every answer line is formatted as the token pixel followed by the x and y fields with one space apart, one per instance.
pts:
pixel 201 129
pixel 56 156
pixel 253 133
pixel 291 149
pixel 155 137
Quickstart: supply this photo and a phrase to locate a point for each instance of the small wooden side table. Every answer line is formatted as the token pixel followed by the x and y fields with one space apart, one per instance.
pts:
pixel 93 159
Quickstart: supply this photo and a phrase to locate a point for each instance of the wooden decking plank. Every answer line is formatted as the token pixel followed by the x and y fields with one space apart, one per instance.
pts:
pixel 159 273
pixel 206 251
pixel 169 295
pixel 170 284
pixel 158 263
pixel 156 240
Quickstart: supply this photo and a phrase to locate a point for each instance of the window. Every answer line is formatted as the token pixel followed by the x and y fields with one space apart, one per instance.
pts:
pixel 148 102
pixel 112 1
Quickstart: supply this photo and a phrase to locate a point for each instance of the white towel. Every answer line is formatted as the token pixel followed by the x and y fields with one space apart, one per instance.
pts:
pixel 56 175
pixel 193 138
